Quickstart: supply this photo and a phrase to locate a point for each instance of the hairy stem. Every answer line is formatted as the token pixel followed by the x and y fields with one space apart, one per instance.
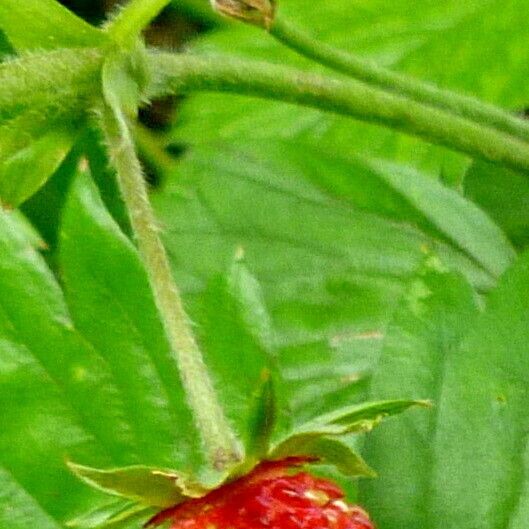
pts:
pixel 187 73
pixel 128 24
pixel 375 75
pixel 221 444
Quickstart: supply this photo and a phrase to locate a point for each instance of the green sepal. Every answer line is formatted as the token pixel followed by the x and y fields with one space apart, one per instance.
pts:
pixel 317 449
pixel 149 486
pixel 359 417
pixel 327 451
pixel 111 516
pixel 317 439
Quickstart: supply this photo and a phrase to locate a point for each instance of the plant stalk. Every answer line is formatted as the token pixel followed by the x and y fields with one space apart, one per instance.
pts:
pixel 372 74
pixel 132 19
pixel 188 73
pixel 221 444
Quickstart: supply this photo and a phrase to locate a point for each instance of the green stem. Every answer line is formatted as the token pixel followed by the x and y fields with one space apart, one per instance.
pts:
pixel 128 24
pixel 375 75
pixel 221 444
pixel 187 73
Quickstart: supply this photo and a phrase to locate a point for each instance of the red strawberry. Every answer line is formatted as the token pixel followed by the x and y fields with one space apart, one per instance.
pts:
pixel 269 497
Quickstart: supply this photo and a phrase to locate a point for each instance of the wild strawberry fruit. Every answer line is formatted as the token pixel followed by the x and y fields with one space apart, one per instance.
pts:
pixel 269 497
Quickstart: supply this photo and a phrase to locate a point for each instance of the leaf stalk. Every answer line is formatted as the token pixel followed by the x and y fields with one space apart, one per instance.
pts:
pixel 378 76
pixel 188 73
pixel 221 444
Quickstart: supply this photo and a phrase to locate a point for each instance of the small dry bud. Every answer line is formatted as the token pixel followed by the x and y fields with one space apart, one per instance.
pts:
pixel 257 12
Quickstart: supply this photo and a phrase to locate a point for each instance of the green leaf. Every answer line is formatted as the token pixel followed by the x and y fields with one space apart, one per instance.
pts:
pixel 224 316
pixel 42 112
pixel 44 208
pixel 19 510
pixel 328 450
pixel 150 486
pixel 332 263
pixel 460 221
pixel 504 195
pixel 318 376
pixel 111 516
pixel 269 407
pixel 112 305
pixel 332 242
pixel 28 169
pixel 45 24
pixel 29 125
pixel 475 367
pixel 48 85
pixel 249 298
pixel 106 179
pixel 57 395
pixel 486 404
pixel 455 44
pixel 68 395
pixel 27 230
pixel 420 346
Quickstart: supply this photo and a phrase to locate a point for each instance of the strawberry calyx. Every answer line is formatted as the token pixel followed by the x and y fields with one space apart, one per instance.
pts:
pixel 266 490
pixel 272 496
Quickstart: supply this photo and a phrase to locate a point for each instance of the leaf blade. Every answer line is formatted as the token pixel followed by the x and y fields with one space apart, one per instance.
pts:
pixel 45 24
pixel 26 171
pixel 429 324
pixel 112 305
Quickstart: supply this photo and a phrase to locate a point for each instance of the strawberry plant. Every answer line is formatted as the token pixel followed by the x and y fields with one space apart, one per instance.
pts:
pixel 319 315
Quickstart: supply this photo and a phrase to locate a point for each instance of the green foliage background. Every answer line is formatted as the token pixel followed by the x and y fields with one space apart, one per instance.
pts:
pixel 375 266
